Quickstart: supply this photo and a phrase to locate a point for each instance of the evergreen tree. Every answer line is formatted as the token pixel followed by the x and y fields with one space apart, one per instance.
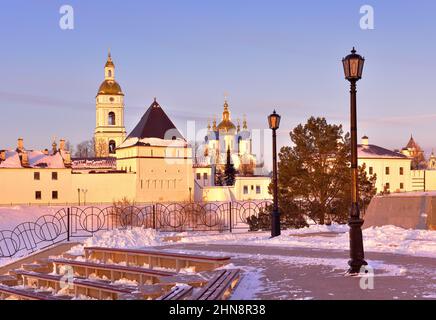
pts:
pixel 314 175
pixel 229 171
pixel 219 178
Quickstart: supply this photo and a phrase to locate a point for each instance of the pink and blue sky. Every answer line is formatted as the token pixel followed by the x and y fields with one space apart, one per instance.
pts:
pixel 265 54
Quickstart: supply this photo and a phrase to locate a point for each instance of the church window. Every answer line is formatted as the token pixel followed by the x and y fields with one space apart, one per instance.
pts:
pixel 111 118
pixel 245 189
pixel 401 186
pixel 54 175
pixel 112 147
pixel 371 170
pixel 258 189
pixel 198 176
pixel 205 176
pixel 109 73
pixel 36 176
pixel 401 171
pixel 387 170
pixel 38 195
pixel 54 195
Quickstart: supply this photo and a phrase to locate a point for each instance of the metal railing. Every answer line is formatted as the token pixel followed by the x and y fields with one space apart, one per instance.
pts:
pixel 76 222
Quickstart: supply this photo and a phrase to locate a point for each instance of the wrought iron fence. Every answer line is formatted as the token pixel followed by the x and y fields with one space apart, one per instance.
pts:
pixel 77 222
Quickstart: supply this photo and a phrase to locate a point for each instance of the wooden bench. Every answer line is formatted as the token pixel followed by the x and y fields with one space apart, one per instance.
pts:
pixel 220 286
pixel 176 293
pixel 36 267
pixel 8 280
pixel 111 271
pixel 97 289
pixel 156 258
pixel 27 294
pixel 191 280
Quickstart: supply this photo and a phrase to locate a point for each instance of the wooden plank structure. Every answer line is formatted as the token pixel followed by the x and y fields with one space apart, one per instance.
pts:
pixel 120 274
pixel 27 294
pixel 177 293
pixel 191 280
pixel 220 286
pixel 156 258
pixel 96 289
pixel 8 280
pixel 111 271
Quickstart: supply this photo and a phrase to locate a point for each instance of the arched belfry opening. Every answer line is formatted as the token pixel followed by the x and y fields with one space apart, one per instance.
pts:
pixel 112 147
pixel 111 119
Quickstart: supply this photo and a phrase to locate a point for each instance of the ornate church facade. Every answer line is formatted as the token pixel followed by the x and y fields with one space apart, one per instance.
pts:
pixel 226 137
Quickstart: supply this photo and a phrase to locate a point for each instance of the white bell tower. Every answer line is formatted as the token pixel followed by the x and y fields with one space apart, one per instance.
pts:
pixel 109 128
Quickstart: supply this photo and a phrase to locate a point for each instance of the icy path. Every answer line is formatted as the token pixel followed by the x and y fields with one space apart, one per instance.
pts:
pixel 297 273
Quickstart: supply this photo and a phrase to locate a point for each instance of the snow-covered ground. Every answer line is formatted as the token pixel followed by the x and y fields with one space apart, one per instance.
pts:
pixel 387 239
pixel 12 216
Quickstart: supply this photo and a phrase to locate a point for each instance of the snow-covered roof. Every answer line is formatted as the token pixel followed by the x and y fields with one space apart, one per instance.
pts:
pixel 36 159
pixel 373 151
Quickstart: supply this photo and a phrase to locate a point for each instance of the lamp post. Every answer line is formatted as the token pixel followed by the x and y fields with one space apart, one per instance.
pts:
pixel 190 191
pixel 274 123
pixel 78 194
pixel 353 68
pixel 84 196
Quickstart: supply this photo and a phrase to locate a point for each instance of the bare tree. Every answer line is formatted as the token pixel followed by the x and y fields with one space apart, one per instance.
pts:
pixel 101 148
pixel 85 149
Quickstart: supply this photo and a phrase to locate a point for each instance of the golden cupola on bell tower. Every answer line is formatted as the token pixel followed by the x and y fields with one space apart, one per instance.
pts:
pixel 109 128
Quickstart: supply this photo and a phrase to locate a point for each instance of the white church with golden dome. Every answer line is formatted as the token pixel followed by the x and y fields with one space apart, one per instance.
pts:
pixel 228 137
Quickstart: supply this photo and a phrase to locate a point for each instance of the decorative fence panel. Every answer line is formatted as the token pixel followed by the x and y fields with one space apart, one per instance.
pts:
pixel 79 222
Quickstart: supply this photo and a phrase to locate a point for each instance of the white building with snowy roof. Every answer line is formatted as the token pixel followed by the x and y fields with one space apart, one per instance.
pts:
pixel 393 169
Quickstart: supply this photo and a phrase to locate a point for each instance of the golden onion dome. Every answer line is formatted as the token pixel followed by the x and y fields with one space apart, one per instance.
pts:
pixel 226 124
pixel 110 87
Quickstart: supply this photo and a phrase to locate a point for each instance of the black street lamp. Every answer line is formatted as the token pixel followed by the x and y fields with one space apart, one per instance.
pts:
pixel 274 123
pixel 353 68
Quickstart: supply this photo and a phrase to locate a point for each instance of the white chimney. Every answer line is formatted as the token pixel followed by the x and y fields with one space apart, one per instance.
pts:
pixel 365 141
pixel 20 144
pixel 62 145
pixel 24 159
